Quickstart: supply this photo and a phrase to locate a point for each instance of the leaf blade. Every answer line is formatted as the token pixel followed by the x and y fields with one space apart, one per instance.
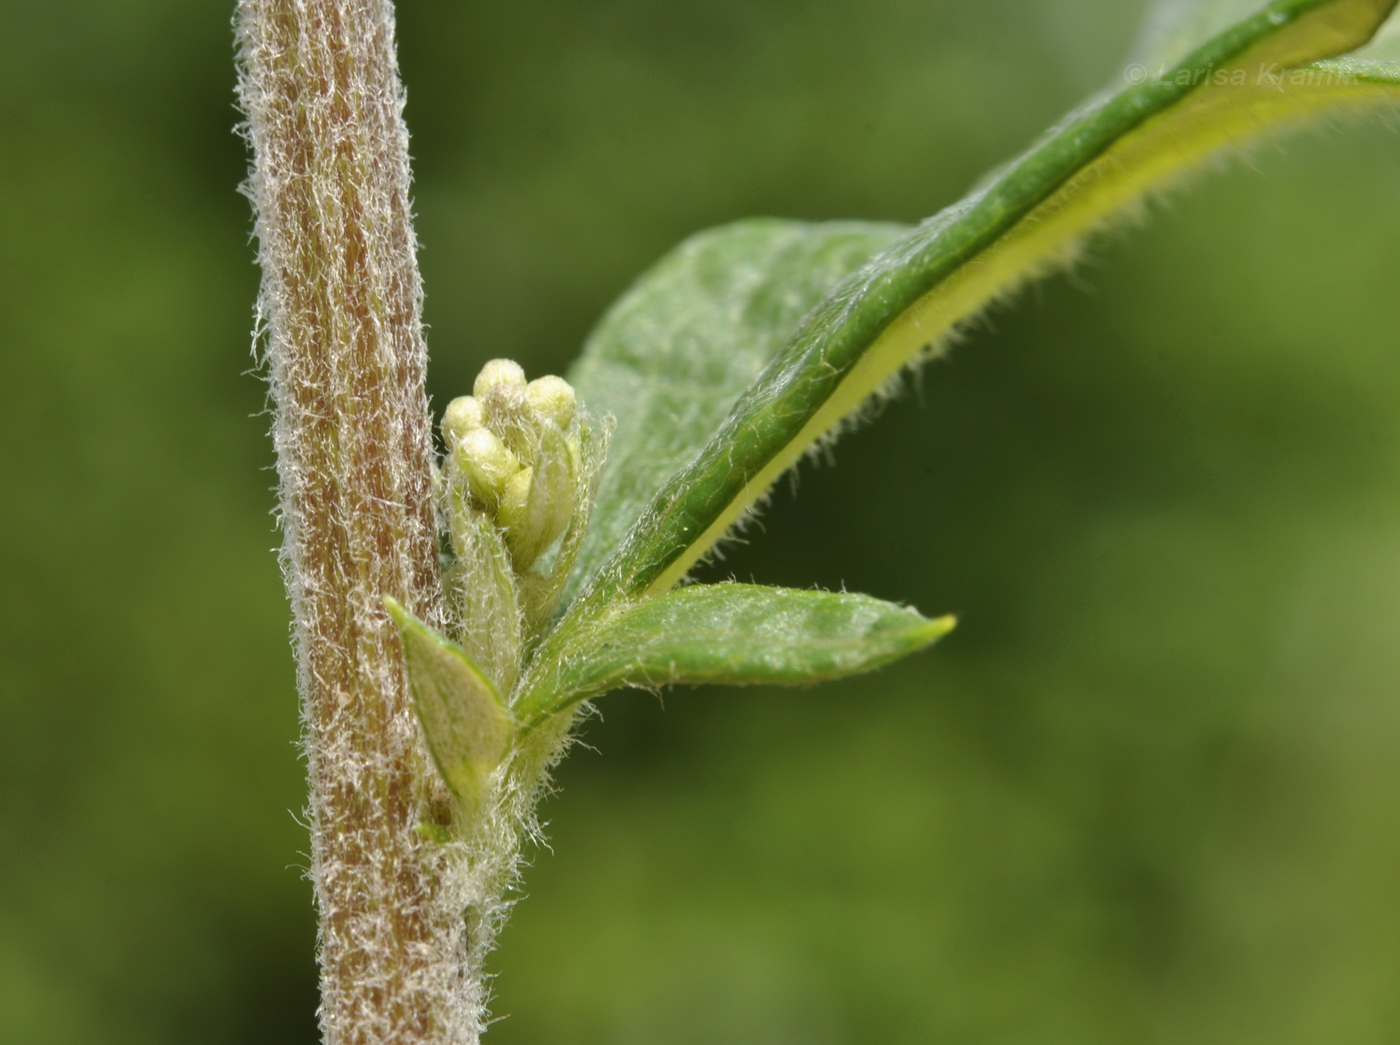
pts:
pixel 730 634
pixel 672 356
pixel 951 266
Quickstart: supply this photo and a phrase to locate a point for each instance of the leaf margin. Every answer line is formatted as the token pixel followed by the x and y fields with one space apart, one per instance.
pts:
pixel 727 634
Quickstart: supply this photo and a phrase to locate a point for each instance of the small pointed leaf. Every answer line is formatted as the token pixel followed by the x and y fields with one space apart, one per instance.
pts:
pixel 468 727
pixel 735 634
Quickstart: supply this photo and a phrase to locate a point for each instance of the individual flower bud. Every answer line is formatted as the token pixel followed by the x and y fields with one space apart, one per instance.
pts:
pixel 462 415
pixel 558 500
pixel 486 462
pixel 521 525
pixel 536 514
pixel 508 416
pixel 551 399
pixel 498 372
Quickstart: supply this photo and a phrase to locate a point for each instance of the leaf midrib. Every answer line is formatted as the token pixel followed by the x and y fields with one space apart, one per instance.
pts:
pixel 651 559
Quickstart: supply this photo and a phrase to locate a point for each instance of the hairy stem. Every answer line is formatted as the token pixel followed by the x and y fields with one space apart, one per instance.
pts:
pixel 340 308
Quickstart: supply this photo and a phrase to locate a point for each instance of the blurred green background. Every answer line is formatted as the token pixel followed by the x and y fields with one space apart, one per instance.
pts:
pixel 1148 792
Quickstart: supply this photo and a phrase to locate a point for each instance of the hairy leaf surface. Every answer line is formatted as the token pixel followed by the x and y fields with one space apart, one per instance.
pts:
pixel 673 355
pixel 735 634
pixel 467 725
pixel 1023 221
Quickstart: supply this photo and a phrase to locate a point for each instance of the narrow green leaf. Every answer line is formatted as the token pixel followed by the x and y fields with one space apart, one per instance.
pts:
pixel 673 355
pixel 1022 222
pixel 736 634
pixel 468 727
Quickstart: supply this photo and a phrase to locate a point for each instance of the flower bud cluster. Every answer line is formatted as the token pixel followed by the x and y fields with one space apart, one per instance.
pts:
pixel 518 484
pixel 514 453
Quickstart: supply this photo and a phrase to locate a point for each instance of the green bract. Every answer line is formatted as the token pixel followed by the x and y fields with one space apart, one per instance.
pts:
pixel 468 726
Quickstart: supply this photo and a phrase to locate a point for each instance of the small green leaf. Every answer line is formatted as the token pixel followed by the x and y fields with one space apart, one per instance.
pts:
pixel 468 727
pixel 735 634
pixel 1022 222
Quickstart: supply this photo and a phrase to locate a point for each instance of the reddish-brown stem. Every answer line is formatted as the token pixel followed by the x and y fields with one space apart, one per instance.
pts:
pixel 341 306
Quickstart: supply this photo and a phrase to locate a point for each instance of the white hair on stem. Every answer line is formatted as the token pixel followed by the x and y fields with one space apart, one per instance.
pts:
pixel 405 923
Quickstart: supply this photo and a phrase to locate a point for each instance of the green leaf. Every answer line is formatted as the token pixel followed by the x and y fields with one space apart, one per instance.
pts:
pixel 1383 51
pixel 1174 28
pixel 673 355
pixel 736 634
pixel 467 725
pixel 1023 221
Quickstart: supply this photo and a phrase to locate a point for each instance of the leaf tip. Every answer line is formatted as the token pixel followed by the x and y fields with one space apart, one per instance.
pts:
pixel 933 630
pixel 401 617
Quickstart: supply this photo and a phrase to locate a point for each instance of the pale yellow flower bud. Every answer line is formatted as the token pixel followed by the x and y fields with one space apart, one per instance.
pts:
pixel 539 503
pixel 508 417
pixel 551 399
pixel 486 462
pixel 516 518
pixel 462 415
pixel 498 372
